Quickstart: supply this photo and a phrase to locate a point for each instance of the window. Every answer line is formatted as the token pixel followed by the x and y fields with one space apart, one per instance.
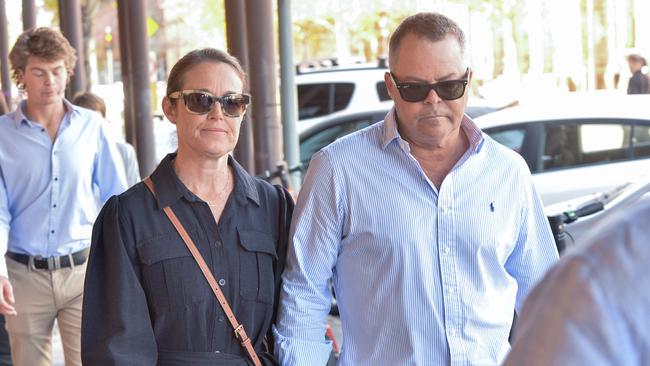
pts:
pixel 382 91
pixel 315 100
pixel 342 95
pixel 512 139
pixel 310 145
pixel 575 144
pixel 641 141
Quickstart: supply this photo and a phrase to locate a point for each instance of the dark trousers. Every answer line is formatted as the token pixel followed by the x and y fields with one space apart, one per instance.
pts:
pixel 5 351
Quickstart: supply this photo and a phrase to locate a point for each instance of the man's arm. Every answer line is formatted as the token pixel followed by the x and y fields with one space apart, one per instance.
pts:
pixel 315 238
pixel 535 251
pixel 108 173
pixel 116 327
pixel 6 291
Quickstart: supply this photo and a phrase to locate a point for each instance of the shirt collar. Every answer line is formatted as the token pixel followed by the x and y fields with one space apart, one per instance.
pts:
pixel 170 189
pixel 20 116
pixel 474 134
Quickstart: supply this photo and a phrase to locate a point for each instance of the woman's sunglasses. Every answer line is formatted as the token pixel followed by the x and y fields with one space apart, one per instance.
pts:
pixel 416 92
pixel 202 102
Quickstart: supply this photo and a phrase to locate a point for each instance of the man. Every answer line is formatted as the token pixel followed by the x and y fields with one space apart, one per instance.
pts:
pixel 593 307
pixel 432 232
pixel 52 156
pixel 639 82
pixel 129 160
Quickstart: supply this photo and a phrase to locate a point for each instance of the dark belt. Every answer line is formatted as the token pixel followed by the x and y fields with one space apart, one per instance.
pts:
pixel 50 263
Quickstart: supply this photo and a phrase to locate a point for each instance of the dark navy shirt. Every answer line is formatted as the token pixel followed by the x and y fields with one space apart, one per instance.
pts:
pixel 146 301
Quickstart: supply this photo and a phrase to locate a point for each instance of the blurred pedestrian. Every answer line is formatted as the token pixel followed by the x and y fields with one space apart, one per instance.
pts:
pixel 639 82
pixel 3 104
pixel 432 231
pixel 147 300
pixel 127 152
pixel 593 308
pixel 53 156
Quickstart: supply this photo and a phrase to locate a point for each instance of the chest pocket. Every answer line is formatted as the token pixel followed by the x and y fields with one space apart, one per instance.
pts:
pixel 172 279
pixel 256 265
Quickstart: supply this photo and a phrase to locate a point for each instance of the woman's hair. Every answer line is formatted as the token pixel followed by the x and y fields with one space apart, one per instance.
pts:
pixel 193 58
pixel 45 43
pixel 91 101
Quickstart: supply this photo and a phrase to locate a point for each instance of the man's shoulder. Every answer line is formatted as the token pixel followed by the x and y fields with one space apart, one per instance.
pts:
pixel 502 155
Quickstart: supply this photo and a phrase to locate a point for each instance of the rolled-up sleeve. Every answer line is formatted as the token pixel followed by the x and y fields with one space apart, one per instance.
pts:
pixel 315 239
pixel 116 327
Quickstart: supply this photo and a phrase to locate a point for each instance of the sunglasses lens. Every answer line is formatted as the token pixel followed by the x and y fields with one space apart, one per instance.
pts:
pixel 414 92
pixel 234 105
pixel 200 103
pixel 450 90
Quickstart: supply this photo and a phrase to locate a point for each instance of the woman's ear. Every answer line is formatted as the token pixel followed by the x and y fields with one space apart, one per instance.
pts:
pixel 169 109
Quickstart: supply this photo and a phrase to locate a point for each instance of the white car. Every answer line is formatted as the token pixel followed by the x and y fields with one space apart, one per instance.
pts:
pixel 329 92
pixel 577 144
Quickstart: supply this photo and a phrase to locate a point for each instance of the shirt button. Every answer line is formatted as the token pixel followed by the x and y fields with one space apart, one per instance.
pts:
pixel 222 282
pixel 452 332
pixel 446 250
pixel 42 130
pixel 52 232
pixel 451 291
pixel 217 243
pixel 54 205
pixel 221 319
pixel 56 179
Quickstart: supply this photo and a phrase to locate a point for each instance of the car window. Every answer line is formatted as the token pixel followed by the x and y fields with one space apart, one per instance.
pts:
pixel 641 141
pixel 315 100
pixel 513 138
pixel 310 145
pixel 382 91
pixel 342 95
pixel 576 144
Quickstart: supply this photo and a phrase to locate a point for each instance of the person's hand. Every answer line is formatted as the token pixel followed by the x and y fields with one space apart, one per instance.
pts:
pixel 6 297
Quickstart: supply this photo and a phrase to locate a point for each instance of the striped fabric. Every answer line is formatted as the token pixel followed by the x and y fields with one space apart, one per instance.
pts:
pixel 422 277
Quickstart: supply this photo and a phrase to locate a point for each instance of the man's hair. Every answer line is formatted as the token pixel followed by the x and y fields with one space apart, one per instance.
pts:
pixel 45 43
pixel 433 27
pixel 635 57
pixel 91 101
pixel 193 58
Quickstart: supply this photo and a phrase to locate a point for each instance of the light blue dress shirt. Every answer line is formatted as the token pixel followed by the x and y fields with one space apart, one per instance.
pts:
pixel 47 200
pixel 593 308
pixel 422 276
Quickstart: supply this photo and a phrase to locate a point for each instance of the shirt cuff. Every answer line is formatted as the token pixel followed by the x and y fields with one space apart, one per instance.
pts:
pixel 298 352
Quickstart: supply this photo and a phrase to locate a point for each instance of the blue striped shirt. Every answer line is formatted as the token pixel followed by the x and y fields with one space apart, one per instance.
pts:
pixel 49 189
pixel 422 276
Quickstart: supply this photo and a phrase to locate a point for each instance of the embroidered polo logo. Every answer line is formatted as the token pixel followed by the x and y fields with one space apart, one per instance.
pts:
pixel 491 206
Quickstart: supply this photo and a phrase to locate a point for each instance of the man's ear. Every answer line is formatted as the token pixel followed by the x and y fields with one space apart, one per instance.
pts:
pixel 169 109
pixel 390 87
pixel 20 74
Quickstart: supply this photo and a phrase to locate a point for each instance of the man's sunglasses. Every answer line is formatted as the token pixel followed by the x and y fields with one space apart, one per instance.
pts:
pixel 202 102
pixel 416 91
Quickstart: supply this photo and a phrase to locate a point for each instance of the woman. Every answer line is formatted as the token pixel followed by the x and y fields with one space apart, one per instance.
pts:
pixel 146 300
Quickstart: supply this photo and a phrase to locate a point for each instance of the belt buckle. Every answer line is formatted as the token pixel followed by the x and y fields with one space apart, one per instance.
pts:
pixel 52 262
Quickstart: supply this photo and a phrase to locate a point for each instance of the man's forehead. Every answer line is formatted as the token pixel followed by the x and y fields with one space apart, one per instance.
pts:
pixel 42 63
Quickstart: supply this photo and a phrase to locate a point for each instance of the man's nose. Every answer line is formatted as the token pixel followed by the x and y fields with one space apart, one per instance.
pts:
pixel 432 97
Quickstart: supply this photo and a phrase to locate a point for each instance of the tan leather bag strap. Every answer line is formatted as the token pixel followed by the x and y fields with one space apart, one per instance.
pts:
pixel 240 333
